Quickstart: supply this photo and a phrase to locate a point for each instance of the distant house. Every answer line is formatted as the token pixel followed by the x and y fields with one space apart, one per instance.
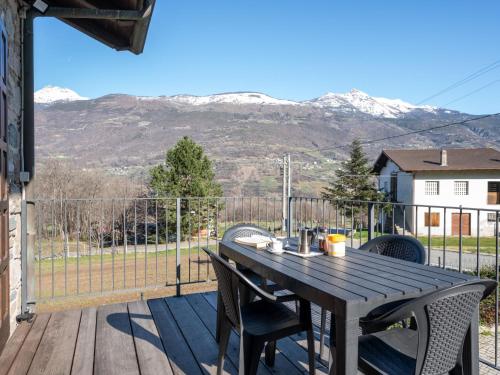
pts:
pixel 452 177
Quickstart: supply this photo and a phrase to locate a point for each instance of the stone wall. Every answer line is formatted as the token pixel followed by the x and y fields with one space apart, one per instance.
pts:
pixel 10 13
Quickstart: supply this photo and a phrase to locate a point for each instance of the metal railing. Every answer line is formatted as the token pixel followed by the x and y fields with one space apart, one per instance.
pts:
pixel 465 239
pixel 98 246
pixel 88 247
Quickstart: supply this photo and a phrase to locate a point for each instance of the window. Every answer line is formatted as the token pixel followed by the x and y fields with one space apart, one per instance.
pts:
pixel 492 217
pixel 493 192
pixel 434 219
pixel 431 187
pixel 461 188
pixel 394 187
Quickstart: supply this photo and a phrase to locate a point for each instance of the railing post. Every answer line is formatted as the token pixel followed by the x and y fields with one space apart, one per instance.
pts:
pixel 27 261
pixel 24 256
pixel 371 220
pixel 178 248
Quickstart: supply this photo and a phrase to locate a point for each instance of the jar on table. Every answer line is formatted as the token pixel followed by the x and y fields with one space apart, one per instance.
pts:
pixel 322 241
pixel 336 245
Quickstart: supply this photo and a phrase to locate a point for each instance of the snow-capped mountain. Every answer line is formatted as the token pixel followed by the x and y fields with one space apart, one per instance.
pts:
pixel 54 94
pixel 225 98
pixel 356 100
pixel 353 101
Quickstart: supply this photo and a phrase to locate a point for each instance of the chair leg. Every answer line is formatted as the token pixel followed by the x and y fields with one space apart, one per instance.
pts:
pixel 250 351
pixel 322 333
pixel 220 316
pixel 225 332
pixel 270 353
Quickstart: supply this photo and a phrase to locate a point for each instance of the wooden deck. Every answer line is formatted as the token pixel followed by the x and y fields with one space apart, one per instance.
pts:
pixel 173 335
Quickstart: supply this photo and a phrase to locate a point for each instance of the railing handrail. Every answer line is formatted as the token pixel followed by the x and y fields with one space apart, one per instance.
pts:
pixel 401 204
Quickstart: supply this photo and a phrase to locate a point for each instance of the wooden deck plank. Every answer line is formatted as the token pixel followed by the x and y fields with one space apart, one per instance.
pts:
pixel 149 347
pixel 179 354
pixel 83 361
pixel 114 346
pixel 23 360
pixel 199 339
pixel 13 346
pixel 57 346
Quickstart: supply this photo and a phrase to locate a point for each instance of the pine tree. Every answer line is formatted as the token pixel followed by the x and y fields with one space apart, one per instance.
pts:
pixel 353 179
pixel 186 173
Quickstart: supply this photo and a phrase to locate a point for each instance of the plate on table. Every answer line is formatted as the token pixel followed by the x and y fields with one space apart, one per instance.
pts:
pixel 290 247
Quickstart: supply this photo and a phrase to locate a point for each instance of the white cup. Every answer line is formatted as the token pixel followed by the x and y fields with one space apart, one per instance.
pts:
pixel 276 245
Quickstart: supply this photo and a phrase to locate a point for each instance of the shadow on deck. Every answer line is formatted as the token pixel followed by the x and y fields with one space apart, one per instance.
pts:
pixel 173 335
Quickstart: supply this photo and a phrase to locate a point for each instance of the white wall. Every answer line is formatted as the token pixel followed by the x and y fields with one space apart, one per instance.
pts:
pixel 477 198
pixel 404 193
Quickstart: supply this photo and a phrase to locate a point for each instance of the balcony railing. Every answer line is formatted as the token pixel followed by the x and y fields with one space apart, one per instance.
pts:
pixel 97 247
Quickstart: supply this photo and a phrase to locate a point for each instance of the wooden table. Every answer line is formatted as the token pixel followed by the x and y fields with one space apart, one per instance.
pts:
pixel 350 287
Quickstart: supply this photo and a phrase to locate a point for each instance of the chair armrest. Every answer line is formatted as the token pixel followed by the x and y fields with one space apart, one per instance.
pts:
pixel 370 322
pixel 396 312
pixel 244 280
pixel 287 298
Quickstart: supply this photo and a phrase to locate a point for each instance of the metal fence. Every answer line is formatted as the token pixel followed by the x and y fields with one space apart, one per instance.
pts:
pixel 87 247
pixel 464 239
pixel 98 246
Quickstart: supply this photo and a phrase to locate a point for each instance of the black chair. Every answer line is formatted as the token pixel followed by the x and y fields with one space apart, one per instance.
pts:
pixel 435 347
pixel 245 230
pixel 391 245
pixel 258 322
pixel 397 246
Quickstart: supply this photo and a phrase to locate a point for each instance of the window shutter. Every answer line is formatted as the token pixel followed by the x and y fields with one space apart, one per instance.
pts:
pixel 433 221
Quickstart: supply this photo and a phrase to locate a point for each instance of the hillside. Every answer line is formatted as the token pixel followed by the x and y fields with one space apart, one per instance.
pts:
pixel 245 133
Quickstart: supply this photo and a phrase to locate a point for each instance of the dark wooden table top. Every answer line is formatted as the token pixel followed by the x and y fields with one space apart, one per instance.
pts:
pixel 356 283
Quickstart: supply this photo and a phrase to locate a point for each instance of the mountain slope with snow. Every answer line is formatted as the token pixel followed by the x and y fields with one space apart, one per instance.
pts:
pixel 356 100
pixel 238 98
pixel 351 102
pixel 54 94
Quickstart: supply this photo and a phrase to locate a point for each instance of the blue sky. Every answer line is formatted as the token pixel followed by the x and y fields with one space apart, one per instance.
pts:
pixel 290 49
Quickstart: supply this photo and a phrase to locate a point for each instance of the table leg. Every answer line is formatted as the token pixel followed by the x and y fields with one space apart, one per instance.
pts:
pixel 344 347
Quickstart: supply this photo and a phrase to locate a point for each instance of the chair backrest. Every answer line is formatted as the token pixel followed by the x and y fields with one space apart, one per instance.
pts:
pixel 442 318
pixel 244 230
pixel 397 246
pixel 229 281
pixel 228 286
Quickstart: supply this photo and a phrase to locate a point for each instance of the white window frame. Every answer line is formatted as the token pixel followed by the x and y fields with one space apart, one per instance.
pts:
pixel 492 217
pixel 431 187
pixel 461 187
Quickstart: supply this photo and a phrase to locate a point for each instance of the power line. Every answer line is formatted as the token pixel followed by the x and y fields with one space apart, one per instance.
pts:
pixel 463 81
pixel 472 92
pixel 463 122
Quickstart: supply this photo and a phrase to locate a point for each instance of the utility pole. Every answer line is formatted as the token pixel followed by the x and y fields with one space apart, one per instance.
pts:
pixel 284 204
pixel 289 163
pixel 289 201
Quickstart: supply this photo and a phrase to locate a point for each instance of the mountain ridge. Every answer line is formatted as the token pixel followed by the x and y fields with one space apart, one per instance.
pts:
pixel 127 135
pixel 354 100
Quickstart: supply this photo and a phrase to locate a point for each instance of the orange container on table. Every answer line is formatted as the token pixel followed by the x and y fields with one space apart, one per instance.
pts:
pixel 336 245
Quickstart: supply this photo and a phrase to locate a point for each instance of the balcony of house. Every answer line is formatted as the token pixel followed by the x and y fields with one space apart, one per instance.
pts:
pixel 125 285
